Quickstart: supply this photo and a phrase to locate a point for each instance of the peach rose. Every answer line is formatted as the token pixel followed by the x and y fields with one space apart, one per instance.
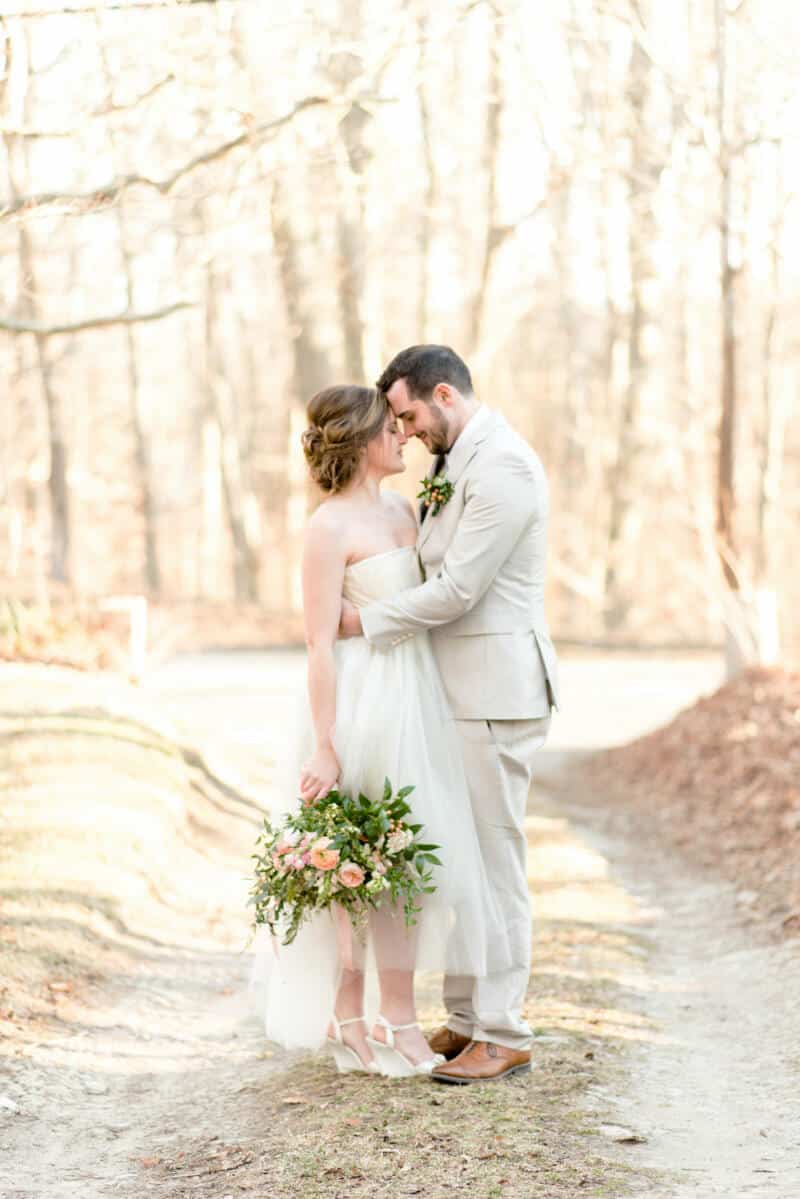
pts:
pixel 321 857
pixel 351 875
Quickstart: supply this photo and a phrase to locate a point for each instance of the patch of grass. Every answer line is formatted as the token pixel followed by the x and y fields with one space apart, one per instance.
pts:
pixel 323 1136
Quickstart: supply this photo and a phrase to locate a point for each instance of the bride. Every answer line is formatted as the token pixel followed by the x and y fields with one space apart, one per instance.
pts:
pixel 373 714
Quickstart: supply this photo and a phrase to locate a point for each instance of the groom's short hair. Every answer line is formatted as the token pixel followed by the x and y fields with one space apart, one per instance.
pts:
pixel 423 367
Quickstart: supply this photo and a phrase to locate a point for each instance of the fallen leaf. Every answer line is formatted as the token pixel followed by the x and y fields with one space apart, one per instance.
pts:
pixel 147 1162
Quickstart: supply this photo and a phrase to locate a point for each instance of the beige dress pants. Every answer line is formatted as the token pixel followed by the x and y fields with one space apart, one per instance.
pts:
pixel 498 758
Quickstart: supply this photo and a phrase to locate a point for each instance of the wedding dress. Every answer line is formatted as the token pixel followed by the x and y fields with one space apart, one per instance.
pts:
pixel 392 720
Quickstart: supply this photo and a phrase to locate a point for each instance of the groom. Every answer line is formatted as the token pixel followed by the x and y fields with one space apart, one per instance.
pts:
pixel 482 549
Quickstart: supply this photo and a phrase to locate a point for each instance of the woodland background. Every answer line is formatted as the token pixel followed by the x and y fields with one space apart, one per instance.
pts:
pixel 209 210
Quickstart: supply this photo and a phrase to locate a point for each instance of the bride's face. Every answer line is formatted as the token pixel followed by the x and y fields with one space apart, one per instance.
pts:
pixel 385 452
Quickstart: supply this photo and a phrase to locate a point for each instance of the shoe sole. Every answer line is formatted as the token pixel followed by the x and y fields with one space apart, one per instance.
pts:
pixel 522 1068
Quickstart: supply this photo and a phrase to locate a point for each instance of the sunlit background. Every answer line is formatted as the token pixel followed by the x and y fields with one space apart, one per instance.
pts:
pixel 210 210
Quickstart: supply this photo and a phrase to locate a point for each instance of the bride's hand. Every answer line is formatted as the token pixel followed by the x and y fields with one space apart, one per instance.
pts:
pixel 319 775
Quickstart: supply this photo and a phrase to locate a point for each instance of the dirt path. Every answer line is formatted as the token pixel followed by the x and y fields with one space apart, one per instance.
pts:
pixel 656 1016
pixel 714 1090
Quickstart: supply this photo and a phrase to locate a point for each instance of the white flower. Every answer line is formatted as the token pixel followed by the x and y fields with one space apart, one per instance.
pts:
pixel 399 840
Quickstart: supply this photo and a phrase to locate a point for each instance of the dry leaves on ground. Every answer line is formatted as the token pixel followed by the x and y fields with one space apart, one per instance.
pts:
pixel 723 781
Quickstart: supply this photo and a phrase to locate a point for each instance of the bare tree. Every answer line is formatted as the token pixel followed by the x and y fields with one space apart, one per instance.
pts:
pixel 142 456
pixel 491 234
pixel 17 105
pixel 642 175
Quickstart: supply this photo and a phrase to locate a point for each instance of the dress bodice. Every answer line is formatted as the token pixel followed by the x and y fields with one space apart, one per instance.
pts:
pixel 382 576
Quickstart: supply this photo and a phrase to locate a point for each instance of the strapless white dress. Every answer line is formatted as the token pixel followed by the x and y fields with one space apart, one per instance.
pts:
pixel 392 720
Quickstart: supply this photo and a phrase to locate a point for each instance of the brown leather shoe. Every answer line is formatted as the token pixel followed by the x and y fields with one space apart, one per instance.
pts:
pixel 483 1061
pixel 447 1042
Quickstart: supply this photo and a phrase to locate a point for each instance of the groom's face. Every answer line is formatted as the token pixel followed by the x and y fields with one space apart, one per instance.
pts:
pixel 425 419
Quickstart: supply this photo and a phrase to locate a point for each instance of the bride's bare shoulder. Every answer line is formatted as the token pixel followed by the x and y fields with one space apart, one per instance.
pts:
pixel 399 503
pixel 400 513
pixel 328 523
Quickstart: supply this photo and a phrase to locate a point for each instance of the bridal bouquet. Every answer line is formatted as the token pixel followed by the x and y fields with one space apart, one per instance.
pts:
pixel 354 852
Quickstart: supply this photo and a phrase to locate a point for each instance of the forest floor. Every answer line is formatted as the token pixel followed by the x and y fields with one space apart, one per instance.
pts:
pixel 132 1064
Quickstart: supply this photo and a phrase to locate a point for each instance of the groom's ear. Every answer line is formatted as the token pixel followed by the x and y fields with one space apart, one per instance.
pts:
pixel 443 393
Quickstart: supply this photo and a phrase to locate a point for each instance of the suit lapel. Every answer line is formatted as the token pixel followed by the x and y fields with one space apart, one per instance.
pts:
pixel 426 529
pixel 457 464
pixel 429 475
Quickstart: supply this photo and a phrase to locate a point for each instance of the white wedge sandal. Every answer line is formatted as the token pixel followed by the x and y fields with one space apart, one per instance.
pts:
pixel 393 1063
pixel 346 1058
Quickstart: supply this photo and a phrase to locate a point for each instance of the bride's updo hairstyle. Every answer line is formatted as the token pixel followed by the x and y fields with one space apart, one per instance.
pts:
pixel 341 420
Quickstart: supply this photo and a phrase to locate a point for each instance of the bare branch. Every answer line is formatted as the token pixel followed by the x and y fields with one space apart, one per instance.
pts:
pixel 75 10
pixel 499 233
pixel 110 107
pixel 33 134
pixel 10 324
pixel 112 190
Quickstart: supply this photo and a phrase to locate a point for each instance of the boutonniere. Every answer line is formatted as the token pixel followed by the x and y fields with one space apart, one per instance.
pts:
pixel 435 493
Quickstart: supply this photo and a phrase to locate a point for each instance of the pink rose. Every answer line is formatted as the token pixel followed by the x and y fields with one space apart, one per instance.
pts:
pixel 321 856
pixel 351 875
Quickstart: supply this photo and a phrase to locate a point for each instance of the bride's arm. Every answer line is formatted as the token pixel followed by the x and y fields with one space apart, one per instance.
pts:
pixel 324 563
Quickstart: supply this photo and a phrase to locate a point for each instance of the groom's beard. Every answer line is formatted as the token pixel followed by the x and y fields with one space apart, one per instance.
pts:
pixel 437 437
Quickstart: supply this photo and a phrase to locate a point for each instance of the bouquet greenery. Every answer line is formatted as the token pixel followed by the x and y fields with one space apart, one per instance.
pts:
pixel 338 850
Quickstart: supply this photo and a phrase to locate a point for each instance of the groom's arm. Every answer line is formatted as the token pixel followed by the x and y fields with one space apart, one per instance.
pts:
pixel 499 504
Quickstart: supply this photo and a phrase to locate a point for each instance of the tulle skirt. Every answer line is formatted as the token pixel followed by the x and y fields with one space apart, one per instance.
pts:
pixel 392 720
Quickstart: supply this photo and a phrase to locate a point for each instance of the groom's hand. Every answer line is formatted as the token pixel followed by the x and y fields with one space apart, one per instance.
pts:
pixel 350 621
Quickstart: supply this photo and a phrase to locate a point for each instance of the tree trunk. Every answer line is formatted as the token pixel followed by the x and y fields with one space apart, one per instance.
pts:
pixel 640 237
pixel 429 199
pixel 221 411
pixel 311 371
pixel 144 477
pixel 770 447
pixel 728 382
pixel 739 639
pixel 16 155
pixel 491 152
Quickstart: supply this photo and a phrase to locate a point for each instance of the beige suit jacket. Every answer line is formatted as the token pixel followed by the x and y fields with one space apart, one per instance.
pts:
pixel 483 559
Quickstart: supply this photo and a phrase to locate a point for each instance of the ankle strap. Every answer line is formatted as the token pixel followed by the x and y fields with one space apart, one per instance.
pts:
pixel 349 1020
pixel 391 1029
